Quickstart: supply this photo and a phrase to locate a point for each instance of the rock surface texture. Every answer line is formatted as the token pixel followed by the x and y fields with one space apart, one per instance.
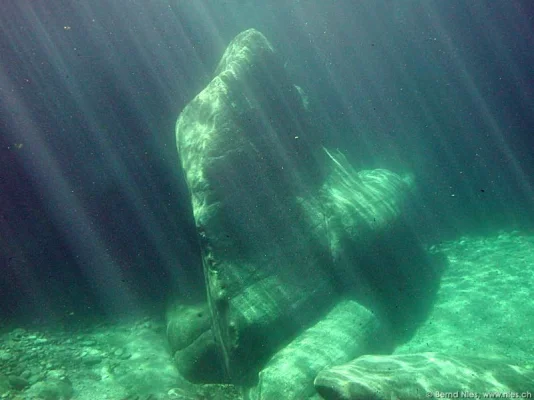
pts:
pixel 423 375
pixel 242 162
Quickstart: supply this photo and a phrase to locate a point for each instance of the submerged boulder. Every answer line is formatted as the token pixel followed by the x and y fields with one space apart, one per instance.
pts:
pixel 423 375
pixel 278 217
pixel 191 341
pixel 244 144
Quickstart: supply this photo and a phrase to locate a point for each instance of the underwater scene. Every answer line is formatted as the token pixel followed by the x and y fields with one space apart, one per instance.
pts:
pixel 266 200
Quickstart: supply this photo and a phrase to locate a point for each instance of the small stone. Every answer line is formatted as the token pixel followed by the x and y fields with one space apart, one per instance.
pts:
pixel 92 359
pixel 4 385
pixel 17 382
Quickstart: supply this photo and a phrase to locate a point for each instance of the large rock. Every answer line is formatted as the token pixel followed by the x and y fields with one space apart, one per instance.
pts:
pixel 276 214
pixel 191 340
pixel 480 306
pixel 347 331
pixel 423 375
pixel 376 258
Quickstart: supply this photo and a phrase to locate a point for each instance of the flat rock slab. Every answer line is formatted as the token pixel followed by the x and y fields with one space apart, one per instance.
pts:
pixel 422 375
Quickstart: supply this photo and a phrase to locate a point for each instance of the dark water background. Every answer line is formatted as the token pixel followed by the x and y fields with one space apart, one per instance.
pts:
pixel 94 213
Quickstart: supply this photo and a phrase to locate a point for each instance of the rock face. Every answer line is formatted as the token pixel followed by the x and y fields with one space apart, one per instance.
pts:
pixel 243 143
pixel 414 376
pixel 278 217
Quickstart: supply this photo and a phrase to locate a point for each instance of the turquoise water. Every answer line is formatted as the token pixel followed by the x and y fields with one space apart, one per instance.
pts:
pixel 249 200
